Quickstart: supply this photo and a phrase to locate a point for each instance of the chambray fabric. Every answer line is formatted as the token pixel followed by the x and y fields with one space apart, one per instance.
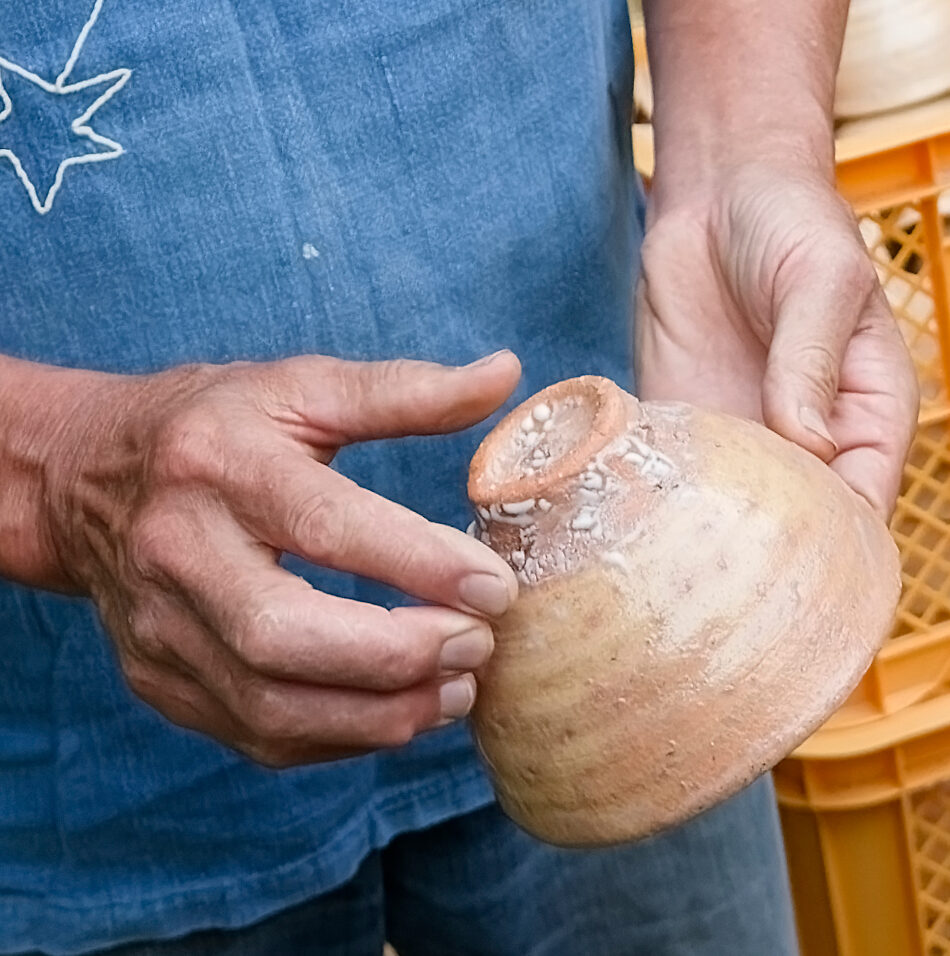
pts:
pixel 367 179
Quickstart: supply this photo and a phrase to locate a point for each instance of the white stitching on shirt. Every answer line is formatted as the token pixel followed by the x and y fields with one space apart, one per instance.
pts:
pixel 80 42
pixel 117 78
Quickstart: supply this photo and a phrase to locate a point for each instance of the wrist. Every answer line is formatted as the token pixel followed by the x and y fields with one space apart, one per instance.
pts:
pixel 695 163
pixel 50 420
pixel 739 82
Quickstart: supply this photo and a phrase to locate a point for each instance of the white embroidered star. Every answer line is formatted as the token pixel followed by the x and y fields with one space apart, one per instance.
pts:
pixel 73 150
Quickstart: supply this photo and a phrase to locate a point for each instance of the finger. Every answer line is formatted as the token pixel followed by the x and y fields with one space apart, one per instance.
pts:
pixel 335 402
pixel 876 413
pixel 184 701
pixel 329 520
pixel 290 722
pixel 295 724
pixel 871 475
pixel 299 723
pixel 279 626
pixel 819 300
pixel 180 698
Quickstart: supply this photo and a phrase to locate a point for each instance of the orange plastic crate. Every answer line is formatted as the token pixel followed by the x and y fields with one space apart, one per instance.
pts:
pixel 866 816
pixel 865 802
pixel 895 170
pixel 914 665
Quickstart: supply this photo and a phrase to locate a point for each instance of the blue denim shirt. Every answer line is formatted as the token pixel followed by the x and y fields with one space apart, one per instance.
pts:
pixel 366 179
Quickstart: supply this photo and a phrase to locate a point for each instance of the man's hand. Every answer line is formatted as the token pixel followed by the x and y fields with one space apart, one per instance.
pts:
pixel 758 297
pixel 761 301
pixel 169 499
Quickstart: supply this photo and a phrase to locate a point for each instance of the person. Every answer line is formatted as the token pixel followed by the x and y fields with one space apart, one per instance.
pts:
pixel 254 256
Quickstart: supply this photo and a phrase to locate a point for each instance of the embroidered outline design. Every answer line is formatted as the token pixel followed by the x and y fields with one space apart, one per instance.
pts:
pixel 80 126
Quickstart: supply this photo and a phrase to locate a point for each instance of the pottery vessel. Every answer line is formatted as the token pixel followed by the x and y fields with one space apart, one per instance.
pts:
pixel 896 52
pixel 697 595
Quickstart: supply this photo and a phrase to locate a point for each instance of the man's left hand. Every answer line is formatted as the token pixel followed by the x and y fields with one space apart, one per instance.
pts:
pixel 758 298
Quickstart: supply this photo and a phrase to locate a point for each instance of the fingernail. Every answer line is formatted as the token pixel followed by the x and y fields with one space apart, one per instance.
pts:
pixel 815 424
pixel 467 651
pixel 457 696
pixel 485 593
pixel 488 359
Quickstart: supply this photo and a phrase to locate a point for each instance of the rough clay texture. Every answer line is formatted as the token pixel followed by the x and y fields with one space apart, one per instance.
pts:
pixel 705 614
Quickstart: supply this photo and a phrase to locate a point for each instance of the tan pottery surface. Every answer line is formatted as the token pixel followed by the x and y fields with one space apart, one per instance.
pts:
pixel 697 596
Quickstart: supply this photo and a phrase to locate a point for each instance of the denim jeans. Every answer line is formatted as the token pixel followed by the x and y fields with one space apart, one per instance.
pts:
pixel 476 885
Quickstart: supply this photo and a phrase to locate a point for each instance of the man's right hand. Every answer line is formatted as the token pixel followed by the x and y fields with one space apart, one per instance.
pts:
pixel 169 498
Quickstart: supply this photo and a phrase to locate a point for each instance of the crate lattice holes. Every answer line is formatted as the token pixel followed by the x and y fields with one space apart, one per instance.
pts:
pixel 921 527
pixel 865 801
pixel 897 241
pixel 909 244
pixel 930 850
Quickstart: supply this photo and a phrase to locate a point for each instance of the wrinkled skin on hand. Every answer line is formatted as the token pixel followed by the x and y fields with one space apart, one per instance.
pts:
pixel 171 498
pixel 758 298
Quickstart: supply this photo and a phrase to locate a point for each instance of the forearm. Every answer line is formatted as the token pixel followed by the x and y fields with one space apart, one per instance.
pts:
pixel 737 79
pixel 39 411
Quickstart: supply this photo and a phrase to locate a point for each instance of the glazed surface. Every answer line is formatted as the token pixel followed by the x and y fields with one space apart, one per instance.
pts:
pixel 661 656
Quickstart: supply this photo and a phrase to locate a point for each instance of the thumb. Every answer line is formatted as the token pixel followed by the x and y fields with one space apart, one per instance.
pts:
pixel 355 401
pixel 815 317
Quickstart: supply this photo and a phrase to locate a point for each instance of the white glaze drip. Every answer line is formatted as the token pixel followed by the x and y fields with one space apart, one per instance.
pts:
pixel 518 507
pixel 541 412
pixel 585 520
pixel 544 540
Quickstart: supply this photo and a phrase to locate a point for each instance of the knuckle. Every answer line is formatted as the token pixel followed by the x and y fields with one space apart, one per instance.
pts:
pixel 341 388
pixel 810 364
pixel 395 732
pixel 402 664
pixel 138 677
pixel 856 271
pixel 258 641
pixel 403 558
pixel 269 755
pixel 146 631
pixel 145 682
pixel 275 387
pixel 188 448
pixel 401 718
pixel 394 370
pixel 840 259
pixel 399 373
pixel 266 715
pixel 913 397
pixel 321 522
pixel 239 369
pixel 153 543
pixel 820 365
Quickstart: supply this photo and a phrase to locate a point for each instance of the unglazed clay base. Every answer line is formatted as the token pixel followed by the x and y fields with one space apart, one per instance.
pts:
pixel 697 596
